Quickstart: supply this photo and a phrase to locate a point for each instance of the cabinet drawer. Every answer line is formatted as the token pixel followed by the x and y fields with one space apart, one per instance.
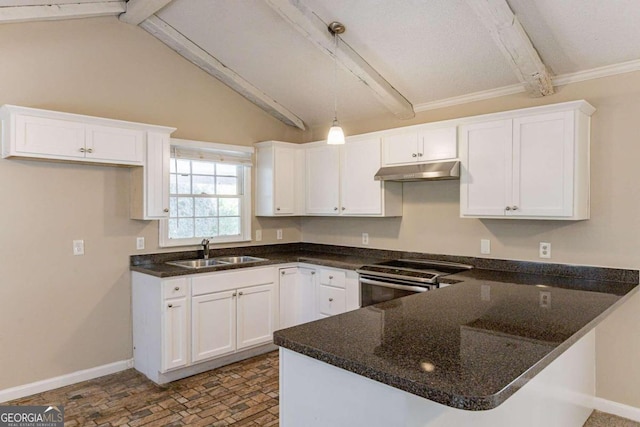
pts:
pixel 331 300
pixel 173 288
pixel 333 278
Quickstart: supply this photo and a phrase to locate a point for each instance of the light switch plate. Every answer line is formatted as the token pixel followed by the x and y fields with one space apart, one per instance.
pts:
pixel 365 238
pixel 279 234
pixel 258 235
pixel 78 247
pixel 485 246
pixel 140 243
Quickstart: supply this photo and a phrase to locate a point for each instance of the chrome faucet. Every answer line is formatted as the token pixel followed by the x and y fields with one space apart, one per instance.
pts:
pixel 205 248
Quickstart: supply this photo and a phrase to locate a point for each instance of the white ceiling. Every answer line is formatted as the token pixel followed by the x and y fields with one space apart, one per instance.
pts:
pixel 429 50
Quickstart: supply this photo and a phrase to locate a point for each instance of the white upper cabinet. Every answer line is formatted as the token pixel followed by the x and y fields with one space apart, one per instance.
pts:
pixel 322 193
pixel 534 165
pixel 340 180
pixel 43 134
pixel 419 144
pixel 149 196
pixel 280 183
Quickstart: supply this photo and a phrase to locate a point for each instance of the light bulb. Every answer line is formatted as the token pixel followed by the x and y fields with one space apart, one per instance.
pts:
pixel 336 135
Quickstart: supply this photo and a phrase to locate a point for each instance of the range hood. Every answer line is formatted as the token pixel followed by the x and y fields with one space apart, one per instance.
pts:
pixel 420 172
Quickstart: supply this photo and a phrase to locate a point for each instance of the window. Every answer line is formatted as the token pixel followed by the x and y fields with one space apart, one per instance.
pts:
pixel 209 197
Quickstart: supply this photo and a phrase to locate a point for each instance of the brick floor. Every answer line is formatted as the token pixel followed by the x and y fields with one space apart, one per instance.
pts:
pixel 243 394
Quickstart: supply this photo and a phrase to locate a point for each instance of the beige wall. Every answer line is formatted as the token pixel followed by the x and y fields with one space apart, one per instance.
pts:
pixel 611 237
pixel 62 313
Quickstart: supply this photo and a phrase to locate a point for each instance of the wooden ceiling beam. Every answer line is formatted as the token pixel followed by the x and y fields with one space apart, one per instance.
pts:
pixel 315 30
pixel 198 56
pixel 139 10
pixel 48 12
pixel 513 41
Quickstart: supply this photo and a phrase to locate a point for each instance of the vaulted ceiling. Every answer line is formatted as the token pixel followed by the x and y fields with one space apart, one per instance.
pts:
pixel 396 57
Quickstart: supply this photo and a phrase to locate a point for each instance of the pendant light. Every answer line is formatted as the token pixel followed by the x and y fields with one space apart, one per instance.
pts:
pixel 336 135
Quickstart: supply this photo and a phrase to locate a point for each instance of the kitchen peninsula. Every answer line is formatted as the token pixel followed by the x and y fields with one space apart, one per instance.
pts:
pixel 493 349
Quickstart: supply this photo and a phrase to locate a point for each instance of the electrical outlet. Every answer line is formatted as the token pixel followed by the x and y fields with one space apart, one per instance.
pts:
pixel 365 238
pixel 258 235
pixel 78 247
pixel 140 243
pixel 545 299
pixel 279 234
pixel 485 246
pixel 545 250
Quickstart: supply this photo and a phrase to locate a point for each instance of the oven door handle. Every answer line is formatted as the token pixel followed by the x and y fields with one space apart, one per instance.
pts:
pixel 393 285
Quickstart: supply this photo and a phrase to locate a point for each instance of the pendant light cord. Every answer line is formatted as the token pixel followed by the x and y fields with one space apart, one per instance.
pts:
pixel 335 77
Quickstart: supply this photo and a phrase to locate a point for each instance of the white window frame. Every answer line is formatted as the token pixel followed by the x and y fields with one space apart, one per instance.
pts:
pixel 245 199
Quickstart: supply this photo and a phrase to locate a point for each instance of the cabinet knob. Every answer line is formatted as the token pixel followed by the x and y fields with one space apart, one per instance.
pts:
pixel 343 208
pixel 419 154
pixel 82 150
pixel 330 277
pixel 177 288
pixel 330 299
pixel 165 210
pixel 515 208
pixel 239 294
pixel 89 150
pixel 277 209
pixel 282 272
pixel 313 272
pixel 335 209
pixel 170 305
pixel 508 208
pixel 233 294
pixel 414 155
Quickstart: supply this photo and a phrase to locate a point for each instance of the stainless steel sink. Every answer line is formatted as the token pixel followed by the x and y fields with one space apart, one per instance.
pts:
pixel 238 259
pixel 197 263
pixel 211 262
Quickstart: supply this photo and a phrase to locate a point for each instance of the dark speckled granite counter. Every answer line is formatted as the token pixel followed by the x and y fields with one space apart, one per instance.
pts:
pixel 470 345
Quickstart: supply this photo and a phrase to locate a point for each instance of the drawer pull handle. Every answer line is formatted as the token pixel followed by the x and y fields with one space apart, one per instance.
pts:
pixel 177 288
pixel 330 277
pixel 330 299
pixel 239 294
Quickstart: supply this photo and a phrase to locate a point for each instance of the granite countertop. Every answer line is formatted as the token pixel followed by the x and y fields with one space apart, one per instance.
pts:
pixel 470 345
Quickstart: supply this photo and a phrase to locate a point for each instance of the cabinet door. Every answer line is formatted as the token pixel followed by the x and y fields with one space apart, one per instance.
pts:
pixel 438 144
pixel 323 180
pixel 297 296
pixel 486 176
pixel 49 138
pixel 361 194
pixel 255 315
pixel 289 297
pixel 331 301
pixel 174 334
pixel 213 325
pixel 400 148
pixel 284 167
pixel 106 143
pixel 543 156
pixel 156 182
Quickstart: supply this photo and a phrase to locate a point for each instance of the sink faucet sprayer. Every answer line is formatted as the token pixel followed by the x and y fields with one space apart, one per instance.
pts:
pixel 205 248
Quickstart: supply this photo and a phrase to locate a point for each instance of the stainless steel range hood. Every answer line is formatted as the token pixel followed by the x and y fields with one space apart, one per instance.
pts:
pixel 420 172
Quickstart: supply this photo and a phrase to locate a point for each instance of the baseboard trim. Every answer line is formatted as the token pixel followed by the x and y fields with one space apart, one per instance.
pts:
pixel 63 380
pixel 619 409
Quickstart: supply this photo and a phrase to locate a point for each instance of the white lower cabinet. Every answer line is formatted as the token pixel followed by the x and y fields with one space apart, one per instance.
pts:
pixel 297 296
pixel 175 318
pixel 183 325
pixel 189 324
pixel 309 293
pixel 213 320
